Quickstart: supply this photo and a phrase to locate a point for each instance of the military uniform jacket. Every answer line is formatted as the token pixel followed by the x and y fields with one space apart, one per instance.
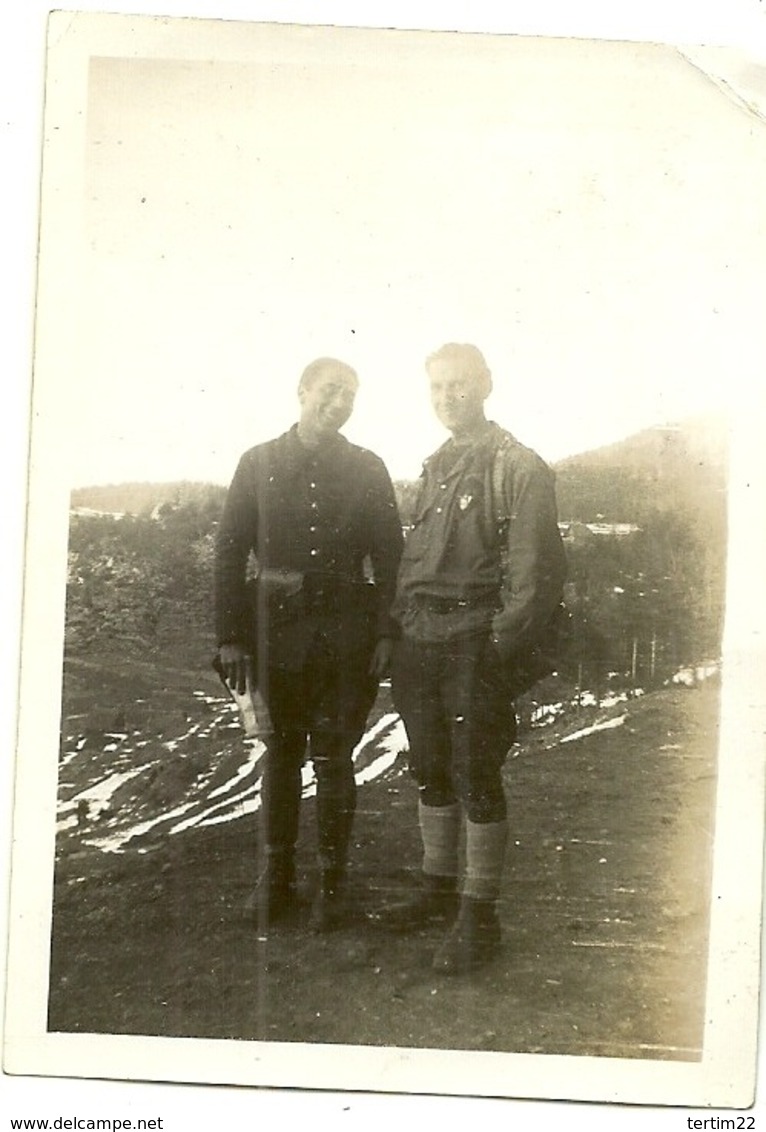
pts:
pixel 484 553
pixel 318 532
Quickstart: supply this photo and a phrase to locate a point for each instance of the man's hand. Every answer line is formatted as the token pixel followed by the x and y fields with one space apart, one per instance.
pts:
pixel 380 665
pixel 237 667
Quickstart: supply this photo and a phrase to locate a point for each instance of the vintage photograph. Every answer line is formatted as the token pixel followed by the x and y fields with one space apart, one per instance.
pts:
pixel 394 721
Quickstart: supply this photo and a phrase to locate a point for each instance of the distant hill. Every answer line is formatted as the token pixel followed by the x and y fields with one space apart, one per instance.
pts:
pixel 143 498
pixel 680 467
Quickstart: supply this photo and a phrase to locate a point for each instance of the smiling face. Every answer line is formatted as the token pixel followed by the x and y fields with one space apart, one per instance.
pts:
pixel 458 393
pixel 326 396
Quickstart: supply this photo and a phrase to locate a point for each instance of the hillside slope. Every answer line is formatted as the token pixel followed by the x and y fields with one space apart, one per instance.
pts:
pixel 604 907
pixel 681 467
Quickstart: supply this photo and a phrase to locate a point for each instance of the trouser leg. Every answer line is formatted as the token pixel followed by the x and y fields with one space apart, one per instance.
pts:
pixel 481 719
pixel 415 689
pixel 281 794
pixel 460 722
pixel 416 680
pixel 483 727
pixel 336 805
pixel 343 697
pixel 274 891
pixel 281 788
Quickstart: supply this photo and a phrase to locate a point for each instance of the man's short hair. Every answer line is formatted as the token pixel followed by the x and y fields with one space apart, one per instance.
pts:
pixel 470 358
pixel 315 369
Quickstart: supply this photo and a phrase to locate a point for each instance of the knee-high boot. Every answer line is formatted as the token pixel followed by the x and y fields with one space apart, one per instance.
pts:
pixel 274 892
pixel 336 805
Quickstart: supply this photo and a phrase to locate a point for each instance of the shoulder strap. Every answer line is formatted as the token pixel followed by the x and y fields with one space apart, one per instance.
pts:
pixel 500 515
pixel 499 509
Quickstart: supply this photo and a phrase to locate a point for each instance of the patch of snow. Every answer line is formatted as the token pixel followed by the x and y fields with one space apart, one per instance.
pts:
pixel 249 806
pixel 392 746
pixel 695 674
pixel 100 794
pixel 605 725
pixel 249 800
pixel 546 712
pixel 115 843
pixel 243 770
pixel 223 811
pixel 384 722
pixel 614 699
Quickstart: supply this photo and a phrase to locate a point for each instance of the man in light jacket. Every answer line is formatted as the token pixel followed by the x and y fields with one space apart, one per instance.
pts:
pixel 479 588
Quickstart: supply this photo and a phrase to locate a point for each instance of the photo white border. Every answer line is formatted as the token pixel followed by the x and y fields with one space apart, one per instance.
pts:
pixel 724 1077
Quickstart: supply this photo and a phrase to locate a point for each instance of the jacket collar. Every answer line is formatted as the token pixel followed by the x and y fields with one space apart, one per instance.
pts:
pixel 461 455
pixel 299 453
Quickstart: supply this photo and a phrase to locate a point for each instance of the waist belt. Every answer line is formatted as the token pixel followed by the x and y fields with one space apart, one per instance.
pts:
pixel 318 585
pixel 292 589
pixel 335 595
pixel 434 604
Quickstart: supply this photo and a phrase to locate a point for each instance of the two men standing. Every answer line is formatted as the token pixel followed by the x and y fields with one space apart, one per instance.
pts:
pixel 479 580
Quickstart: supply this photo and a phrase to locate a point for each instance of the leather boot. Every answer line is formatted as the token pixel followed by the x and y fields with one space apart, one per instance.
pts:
pixel 330 909
pixel 274 893
pixel 434 902
pixel 473 941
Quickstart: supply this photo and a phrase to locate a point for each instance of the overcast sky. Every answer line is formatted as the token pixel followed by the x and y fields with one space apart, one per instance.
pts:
pixel 248 198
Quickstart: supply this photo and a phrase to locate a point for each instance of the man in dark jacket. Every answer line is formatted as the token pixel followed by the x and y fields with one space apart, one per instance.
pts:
pixel 315 520
pixel 479 585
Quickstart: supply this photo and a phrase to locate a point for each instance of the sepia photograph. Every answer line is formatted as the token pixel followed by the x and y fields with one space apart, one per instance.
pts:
pixel 391 706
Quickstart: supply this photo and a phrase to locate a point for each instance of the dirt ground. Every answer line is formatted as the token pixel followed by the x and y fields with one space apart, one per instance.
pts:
pixel 604 907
